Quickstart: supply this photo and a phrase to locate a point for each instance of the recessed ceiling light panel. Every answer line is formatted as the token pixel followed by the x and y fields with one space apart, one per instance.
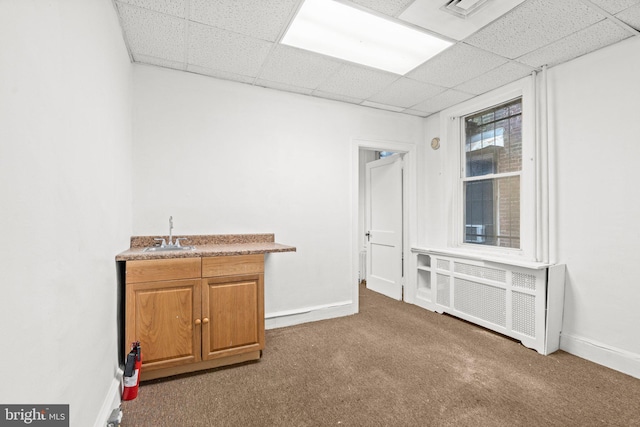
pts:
pixel 335 29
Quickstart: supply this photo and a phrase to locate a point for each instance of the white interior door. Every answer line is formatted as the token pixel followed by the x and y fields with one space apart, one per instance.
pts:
pixel 383 216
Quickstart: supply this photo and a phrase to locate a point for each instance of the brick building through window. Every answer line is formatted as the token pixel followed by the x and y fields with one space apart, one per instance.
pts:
pixel 492 175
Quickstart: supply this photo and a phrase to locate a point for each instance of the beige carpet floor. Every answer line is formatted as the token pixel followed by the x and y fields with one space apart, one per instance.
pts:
pixel 393 364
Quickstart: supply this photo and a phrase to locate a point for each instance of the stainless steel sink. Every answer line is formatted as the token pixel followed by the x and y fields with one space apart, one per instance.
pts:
pixel 168 248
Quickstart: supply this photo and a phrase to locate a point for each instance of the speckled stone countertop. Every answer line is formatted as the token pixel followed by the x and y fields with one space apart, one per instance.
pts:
pixel 206 245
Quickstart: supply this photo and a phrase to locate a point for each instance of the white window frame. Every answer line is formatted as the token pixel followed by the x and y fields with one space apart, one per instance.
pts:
pixel 452 123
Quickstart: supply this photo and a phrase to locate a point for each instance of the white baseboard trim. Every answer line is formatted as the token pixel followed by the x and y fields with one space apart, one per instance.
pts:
pixel 602 354
pixel 111 401
pixel 281 319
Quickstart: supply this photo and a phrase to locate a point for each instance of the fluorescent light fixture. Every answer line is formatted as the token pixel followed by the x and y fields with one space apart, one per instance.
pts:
pixel 335 29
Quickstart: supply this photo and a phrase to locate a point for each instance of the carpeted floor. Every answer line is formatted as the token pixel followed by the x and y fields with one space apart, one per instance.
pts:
pixel 393 364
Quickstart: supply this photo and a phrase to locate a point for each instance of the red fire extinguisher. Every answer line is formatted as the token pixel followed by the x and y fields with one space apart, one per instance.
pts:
pixel 132 372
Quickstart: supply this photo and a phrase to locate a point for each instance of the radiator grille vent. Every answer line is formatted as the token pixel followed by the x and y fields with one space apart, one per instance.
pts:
pixel 509 298
pixel 443 290
pixel 482 301
pixel 443 264
pixel 481 272
pixel 524 313
pixel 522 280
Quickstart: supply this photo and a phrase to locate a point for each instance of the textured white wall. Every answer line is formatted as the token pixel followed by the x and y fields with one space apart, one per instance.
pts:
pixel 224 157
pixel 434 190
pixel 65 155
pixel 594 102
pixel 594 127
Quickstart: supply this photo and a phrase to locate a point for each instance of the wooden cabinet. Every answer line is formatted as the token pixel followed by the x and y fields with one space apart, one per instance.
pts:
pixel 195 313
pixel 236 319
pixel 161 315
pixel 233 305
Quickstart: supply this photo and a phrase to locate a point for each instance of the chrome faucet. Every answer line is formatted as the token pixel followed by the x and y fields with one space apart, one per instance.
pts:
pixel 163 243
pixel 171 244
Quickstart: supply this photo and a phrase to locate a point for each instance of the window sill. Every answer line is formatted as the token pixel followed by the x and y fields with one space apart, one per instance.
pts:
pixel 461 253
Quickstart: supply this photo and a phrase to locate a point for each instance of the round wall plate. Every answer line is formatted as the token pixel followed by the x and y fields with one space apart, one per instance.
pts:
pixel 435 143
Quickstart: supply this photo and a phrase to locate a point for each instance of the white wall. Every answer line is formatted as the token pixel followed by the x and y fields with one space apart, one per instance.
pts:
pixel 594 128
pixel 65 150
pixel 224 157
pixel 597 133
pixel 434 195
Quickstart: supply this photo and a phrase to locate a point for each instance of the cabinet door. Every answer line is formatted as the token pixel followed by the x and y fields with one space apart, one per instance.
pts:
pixel 162 316
pixel 233 315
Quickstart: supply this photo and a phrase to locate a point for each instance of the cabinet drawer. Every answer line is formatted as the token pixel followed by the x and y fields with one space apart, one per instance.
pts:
pixel 232 265
pixel 162 269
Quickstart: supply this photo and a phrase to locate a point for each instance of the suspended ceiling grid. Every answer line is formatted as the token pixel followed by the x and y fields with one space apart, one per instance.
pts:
pixel 238 40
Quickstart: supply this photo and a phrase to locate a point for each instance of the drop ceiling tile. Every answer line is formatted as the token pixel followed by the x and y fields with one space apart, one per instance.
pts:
pixel 337 97
pixel 283 86
pixel 442 101
pixel 507 73
pixel 263 19
pixel 577 44
pixel 151 33
pixel 170 7
pixel 405 92
pixel 387 7
pixel 219 74
pixel 614 6
pixel 226 51
pixel 455 65
pixel 357 82
pixel 298 67
pixel 631 16
pixel 160 62
pixel 532 25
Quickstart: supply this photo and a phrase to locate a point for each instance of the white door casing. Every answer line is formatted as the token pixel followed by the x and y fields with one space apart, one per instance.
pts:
pixel 383 216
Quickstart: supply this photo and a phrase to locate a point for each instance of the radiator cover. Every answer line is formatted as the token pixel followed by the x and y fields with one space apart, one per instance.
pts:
pixel 522 302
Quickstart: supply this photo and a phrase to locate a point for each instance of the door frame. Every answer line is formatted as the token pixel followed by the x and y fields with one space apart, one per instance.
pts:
pixel 409 149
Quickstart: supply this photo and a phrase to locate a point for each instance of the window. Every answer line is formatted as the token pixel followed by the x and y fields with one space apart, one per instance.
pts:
pixel 491 178
pixel 496 181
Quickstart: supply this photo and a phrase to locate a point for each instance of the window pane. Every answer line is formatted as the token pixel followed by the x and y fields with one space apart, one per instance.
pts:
pixel 502 112
pixel 508 212
pixel 479 212
pixel 493 140
pixel 493 146
pixel 492 212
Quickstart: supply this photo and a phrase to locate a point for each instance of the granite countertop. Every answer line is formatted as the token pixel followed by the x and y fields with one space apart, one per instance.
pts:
pixel 205 246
